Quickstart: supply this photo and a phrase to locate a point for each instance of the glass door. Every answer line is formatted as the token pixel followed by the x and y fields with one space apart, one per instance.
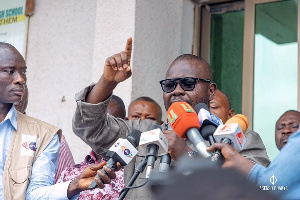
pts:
pixel 252 47
pixel 275 86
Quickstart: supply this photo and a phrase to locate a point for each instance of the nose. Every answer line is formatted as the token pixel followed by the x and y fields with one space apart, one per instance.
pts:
pixel 143 117
pixel 178 90
pixel 287 130
pixel 19 78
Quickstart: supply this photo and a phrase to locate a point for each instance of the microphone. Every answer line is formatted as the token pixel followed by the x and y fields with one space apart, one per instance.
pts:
pixel 153 143
pixel 122 151
pixel 241 120
pixel 231 132
pixel 165 161
pixel 208 122
pixel 208 125
pixel 184 121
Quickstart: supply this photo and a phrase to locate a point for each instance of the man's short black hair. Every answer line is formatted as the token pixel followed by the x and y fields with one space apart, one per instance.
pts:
pixel 287 112
pixel 194 57
pixel 120 104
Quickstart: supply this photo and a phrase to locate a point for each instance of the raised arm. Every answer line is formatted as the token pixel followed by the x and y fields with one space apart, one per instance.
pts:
pixel 116 69
pixel 91 122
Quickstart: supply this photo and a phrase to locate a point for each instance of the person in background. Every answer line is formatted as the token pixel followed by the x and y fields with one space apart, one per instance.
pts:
pixel 29 147
pixel 145 108
pixel 286 125
pixel 111 191
pixel 220 106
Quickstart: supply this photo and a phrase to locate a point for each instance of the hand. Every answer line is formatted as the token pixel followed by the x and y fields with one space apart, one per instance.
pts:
pixel 117 67
pixel 88 175
pixel 232 158
pixel 177 146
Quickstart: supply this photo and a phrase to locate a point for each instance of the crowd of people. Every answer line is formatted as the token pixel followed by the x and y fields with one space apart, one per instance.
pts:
pixel 36 161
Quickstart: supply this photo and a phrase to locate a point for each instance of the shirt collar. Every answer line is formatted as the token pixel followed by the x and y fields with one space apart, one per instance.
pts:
pixel 12 117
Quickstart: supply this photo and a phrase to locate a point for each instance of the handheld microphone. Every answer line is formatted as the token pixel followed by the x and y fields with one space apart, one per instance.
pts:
pixel 122 151
pixel 208 125
pixel 231 133
pixel 241 120
pixel 153 143
pixel 165 161
pixel 184 121
pixel 208 122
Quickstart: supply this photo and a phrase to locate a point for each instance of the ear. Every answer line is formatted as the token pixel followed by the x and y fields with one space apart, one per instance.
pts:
pixel 212 90
pixel 231 113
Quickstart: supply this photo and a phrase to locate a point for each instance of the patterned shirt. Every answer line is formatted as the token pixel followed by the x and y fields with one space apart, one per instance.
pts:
pixel 65 158
pixel 109 192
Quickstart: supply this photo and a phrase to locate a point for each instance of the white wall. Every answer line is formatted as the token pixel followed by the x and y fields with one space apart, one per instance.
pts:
pixel 59 60
pixel 68 42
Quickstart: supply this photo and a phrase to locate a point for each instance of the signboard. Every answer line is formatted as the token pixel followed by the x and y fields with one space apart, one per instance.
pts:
pixel 14 24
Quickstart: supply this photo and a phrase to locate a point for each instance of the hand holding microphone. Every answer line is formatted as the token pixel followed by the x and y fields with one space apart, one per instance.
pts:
pixel 122 151
pixel 184 121
pixel 233 132
pixel 231 140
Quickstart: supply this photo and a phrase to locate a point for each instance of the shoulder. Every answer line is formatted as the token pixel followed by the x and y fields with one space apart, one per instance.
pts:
pixel 31 121
pixel 252 135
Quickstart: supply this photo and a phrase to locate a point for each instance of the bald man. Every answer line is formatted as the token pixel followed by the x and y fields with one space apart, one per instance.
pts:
pixel 188 79
pixel 220 106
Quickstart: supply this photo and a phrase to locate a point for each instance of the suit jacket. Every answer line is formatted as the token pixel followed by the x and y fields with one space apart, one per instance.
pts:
pixel 99 130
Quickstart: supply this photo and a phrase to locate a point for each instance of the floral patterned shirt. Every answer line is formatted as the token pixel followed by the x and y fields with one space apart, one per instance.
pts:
pixel 109 192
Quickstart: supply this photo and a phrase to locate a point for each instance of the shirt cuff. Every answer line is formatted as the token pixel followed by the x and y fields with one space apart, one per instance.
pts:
pixel 255 173
pixel 62 188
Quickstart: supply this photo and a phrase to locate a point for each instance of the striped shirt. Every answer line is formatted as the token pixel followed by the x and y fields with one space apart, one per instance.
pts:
pixel 65 158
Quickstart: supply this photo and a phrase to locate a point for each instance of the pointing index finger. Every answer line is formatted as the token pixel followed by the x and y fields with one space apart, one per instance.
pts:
pixel 128 49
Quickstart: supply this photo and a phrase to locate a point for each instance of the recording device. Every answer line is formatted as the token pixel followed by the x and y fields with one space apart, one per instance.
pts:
pixel 184 121
pixel 122 151
pixel 153 143
pixel 231 132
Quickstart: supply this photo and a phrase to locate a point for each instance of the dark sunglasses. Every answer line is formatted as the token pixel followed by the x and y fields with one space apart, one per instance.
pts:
pixel 187 83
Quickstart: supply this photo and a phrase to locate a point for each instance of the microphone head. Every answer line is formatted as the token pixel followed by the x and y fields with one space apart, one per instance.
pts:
pixel 134 137
pixel 154 136
pixel 200 106
pixel 182 117
pixel 241 120
pixel 155 126
pixel 208 121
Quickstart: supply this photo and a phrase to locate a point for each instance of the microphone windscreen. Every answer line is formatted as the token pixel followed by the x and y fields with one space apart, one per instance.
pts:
pixel 182 117
pixel 241 120
pixel 155 126
pixel 199 106
pixel 134 137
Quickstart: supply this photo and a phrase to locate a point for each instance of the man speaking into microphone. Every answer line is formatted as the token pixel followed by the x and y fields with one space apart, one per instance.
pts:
pixel 188 79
